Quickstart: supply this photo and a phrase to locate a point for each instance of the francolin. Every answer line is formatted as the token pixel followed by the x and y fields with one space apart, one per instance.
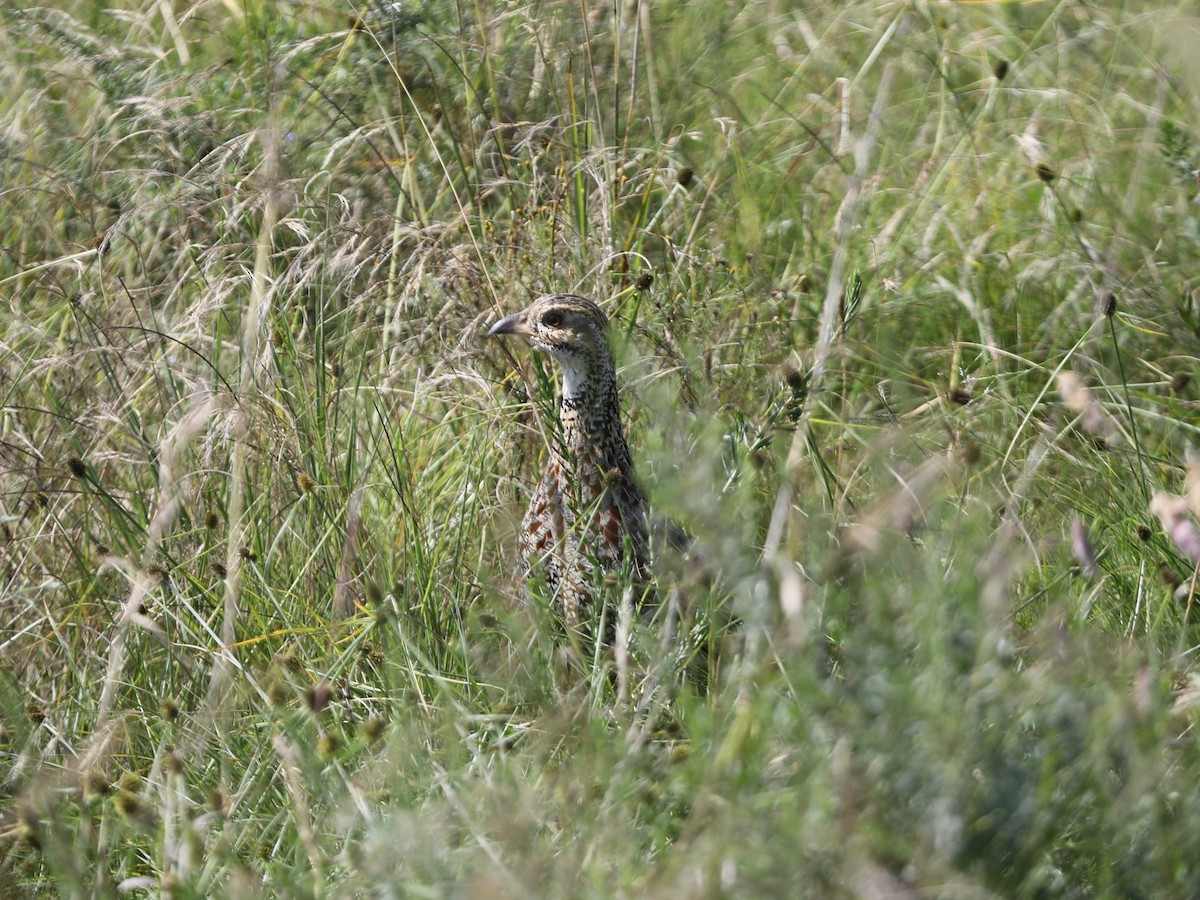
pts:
pixel 587 510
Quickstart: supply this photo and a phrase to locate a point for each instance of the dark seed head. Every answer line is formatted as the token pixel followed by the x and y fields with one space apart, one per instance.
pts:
pixel 318 697
pixel 218 801
pixel 960 395
pixel 328 744
pixel 277 692
pixel 1110 305
pixel 684 177
pixel 1144 533
pixel 169 709
pixel 1000 69
pixel 29 828
pixel 96 784
pixel 1180 382
pixel 373 655
pixel 644 280
pixel 1045 173
pixel 1168 577
pixel 374 594
pixel 796 380
pixel 372 728
pixel 77 466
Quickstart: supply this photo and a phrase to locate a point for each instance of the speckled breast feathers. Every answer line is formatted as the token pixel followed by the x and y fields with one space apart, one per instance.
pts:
pixel 587 510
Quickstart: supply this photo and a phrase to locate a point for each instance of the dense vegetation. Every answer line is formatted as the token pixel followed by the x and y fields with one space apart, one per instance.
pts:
pixel 908 313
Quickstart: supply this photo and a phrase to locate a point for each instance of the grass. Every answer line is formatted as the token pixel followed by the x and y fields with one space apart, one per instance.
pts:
pixel 906 307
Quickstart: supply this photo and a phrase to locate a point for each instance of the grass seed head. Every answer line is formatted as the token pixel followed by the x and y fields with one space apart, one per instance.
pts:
pixel 278 693
pixel 328 744
pixel 169 709
pixel 218 801
pixel 317 697
pixel 372 729
pixel 134 809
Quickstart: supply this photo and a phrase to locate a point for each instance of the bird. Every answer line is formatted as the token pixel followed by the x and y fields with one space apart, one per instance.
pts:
pixel 587 516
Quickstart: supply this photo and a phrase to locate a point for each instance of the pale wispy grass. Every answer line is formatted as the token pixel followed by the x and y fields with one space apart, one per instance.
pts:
pixel 904 304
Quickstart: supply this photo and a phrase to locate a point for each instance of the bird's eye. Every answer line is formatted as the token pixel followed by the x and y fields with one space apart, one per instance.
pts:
pixel 552 320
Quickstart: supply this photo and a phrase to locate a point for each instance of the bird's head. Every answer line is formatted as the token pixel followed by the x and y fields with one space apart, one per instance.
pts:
pixel 571 329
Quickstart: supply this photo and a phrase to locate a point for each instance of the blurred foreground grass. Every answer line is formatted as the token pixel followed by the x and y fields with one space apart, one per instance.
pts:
pixel 907 307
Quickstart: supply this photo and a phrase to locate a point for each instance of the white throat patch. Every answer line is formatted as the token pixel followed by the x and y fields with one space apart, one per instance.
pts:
pixel 573 379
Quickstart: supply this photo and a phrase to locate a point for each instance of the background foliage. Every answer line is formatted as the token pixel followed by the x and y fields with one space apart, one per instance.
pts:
pixel 905 297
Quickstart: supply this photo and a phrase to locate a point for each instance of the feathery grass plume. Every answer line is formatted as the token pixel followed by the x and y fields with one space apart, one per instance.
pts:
pixel 1172 512
pixel 289 762
pixel 219 801
pixel 1083 550
pixel 308 221
pixel 348 568
pixel 1191 479
pixel 1187 697
pixel 1078 398
pixel 900 511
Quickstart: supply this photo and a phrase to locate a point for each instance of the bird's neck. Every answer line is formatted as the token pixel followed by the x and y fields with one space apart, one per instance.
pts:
pixel 590 411
pixel 577 380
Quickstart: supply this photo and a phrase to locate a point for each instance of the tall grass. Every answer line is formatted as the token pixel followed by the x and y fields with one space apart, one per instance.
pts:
pixel 905 302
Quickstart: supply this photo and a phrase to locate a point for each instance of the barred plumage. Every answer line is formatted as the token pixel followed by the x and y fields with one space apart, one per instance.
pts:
pixel 587 509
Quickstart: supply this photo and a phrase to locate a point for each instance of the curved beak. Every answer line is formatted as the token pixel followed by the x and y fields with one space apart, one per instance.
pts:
pixel 514 324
